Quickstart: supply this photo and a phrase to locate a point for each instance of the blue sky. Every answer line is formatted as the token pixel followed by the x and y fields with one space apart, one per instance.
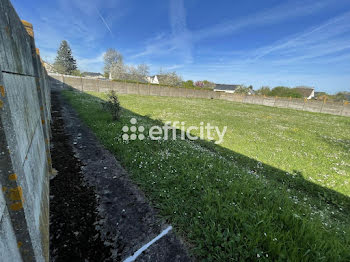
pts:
pixel 270 42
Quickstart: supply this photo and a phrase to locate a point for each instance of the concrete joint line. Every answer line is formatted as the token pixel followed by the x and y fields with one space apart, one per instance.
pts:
pixel 14 73
pixel 144 247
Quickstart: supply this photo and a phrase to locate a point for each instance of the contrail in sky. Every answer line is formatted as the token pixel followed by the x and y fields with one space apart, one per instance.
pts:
pixel 104 21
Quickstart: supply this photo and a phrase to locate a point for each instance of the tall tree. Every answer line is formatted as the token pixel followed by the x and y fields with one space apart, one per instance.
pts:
pixel 112 58
pixel 65 63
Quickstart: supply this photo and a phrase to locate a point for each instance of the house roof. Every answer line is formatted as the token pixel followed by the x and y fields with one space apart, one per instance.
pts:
pixel 224 87
pixel 304 90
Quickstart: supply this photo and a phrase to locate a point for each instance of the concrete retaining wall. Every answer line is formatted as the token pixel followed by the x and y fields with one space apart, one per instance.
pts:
pixel 25 162
pixel 88 84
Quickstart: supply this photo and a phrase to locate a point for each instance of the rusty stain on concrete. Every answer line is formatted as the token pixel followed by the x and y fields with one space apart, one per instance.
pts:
pixel 16 206
pixel 29 28
pixel 2 91
pixel 7 29
pixel 16 194
pixel 12 177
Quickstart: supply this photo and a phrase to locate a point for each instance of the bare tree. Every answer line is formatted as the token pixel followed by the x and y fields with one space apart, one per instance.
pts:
pixel 205 84
pixel 169 78
pixel 132 73
pixel 143 70
pixel 116 69
pixel 138 73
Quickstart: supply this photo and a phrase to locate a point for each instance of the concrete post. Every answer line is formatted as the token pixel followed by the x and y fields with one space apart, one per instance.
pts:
pixel 324 101
pixel 97 85
pixel 81 84
pixel 305 101
pixel 62 81
pixel 343 109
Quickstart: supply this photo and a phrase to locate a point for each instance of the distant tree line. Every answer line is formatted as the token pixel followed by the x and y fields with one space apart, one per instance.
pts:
pixel 280 91
pixel 115 68
pixel 340 96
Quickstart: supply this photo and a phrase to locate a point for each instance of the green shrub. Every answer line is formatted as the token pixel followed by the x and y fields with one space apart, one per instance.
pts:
pixel 112 105
pixel 282 91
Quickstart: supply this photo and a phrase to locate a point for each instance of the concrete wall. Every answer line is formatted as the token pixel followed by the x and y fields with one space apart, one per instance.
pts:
pixel 88 84
pixel 25 162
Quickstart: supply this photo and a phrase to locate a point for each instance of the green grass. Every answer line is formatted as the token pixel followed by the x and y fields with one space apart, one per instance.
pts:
pixel 276 189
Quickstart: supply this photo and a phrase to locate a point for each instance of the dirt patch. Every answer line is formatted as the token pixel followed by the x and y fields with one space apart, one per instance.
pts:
pixel 73 205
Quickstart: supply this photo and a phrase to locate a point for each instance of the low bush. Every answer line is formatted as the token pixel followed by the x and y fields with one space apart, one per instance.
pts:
pixel 112 105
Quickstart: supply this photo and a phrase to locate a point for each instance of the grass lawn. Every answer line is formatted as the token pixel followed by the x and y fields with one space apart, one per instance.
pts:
pixel 277 188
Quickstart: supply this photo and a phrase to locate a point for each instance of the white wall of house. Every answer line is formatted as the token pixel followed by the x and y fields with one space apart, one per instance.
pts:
pixel 152 80
pixel 312 95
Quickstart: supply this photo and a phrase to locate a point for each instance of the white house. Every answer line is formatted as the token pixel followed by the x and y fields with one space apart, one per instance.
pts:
pixel 152 79
pixel 306 92
pixel 226 88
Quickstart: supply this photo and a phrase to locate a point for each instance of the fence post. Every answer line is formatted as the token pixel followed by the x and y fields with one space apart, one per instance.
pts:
pixel 324 101
pixel 97 85
pixel 62 81
pixel 274 103
pixel 343 109
pixel 81 84
pixel 305 101
pixel 263 100
pixel 290 98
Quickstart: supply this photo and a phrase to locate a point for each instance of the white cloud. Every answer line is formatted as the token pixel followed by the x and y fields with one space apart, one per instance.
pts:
pixel 94 64
pixel 181 40
pixel 327 38
pixel 178 44
pixel 282 12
